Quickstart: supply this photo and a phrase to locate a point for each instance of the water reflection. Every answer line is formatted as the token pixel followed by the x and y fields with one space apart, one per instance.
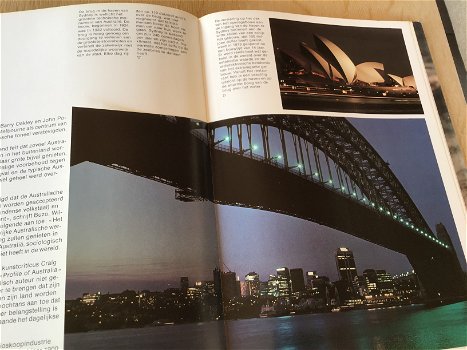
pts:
pixel 411 327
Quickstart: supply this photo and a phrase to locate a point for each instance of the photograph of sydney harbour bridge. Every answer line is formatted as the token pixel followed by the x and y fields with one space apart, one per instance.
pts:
pixel 314 216
pixel 343 69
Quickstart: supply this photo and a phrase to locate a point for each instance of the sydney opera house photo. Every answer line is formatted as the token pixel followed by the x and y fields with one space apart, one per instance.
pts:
pixel 343 69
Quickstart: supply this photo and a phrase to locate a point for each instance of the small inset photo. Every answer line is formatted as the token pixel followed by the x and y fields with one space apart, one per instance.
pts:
pixel 343 69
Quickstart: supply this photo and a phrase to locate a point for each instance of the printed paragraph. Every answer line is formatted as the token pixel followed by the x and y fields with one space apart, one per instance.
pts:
pixel 242 53
pixel 28 292
pixel 30 223
pixel 32 160
pixel 103 32
pixel 160 33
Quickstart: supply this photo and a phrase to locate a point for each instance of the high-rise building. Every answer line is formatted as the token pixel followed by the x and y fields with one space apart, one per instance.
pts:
pixel 230 285
pixel 310 276
pixel 252 284
pixel 346 265
pixel 371 282
pixel 378 282
pixel 216 276
pixel 244 289
pixel 283 276
pixel 407 287
pixel 320 288
pixel 297 280
pixel 273 286
pixel 360 284
pixel 263 288
pixel 206 288
pixel 184 285
pixel 217 287
pixel 385 282
pixel 347 271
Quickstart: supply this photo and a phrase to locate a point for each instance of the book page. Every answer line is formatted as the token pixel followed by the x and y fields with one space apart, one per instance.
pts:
pixel 269 61
pixel 334 188
pixel 135 58
pixel 142 240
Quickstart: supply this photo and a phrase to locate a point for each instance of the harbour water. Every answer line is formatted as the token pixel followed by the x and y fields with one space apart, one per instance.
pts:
pixel 408 327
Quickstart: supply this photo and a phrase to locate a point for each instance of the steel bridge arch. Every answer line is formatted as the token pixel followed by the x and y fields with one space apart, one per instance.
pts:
pixel 344 144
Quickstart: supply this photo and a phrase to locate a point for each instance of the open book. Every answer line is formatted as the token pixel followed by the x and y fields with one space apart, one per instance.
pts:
pixel 244 180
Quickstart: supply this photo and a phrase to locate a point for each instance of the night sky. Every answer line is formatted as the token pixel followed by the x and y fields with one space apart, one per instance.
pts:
pixel 360 44
pixel 130 232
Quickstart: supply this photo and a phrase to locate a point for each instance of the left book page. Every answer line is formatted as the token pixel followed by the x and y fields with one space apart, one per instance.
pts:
pixel 101 245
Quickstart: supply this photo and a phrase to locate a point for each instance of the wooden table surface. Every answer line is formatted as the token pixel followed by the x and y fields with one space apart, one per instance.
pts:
pixel 424 11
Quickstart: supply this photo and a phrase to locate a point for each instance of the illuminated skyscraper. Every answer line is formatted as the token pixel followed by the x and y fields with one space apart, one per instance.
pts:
pixel 273 286
pixel 347 272
pixel 346 265
pixel 252 284
pixel 385 282
pixel 371 281
pixel 283 276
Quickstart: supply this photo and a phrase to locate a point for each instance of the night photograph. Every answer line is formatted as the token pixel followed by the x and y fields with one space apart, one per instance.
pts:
pixel 282 228
pixel 343 69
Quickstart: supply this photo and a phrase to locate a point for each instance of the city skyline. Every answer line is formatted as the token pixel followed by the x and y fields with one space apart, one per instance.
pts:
pixel 128 210
pixel 185 281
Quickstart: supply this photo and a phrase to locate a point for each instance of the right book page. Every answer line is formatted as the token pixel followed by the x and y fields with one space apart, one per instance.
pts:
pixel 333 185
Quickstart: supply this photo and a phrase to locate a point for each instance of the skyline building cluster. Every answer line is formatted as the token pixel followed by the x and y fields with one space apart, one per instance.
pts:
pixel 293 284
pixel 351 289
pixel 287 292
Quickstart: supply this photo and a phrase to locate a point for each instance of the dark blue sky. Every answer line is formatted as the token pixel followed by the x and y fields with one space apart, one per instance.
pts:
pixel 130 232
pixel 277 240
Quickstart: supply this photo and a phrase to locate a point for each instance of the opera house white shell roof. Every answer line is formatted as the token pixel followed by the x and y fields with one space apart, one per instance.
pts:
pixel 346 70
pixel 367 72
pixel 344 61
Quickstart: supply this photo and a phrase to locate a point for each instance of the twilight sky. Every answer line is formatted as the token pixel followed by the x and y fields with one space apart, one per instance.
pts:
pixel 277 240
pixel 130 232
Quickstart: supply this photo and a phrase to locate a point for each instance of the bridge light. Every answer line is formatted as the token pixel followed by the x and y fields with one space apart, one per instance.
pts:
pixel 343 188
pixel 279 156
pixel 227 138
pixel 330 181
pixel 388 212
pixel 299 166
pixel 395 216
pixel 380 208
pixel 411 226
pixel 416 229
pixel 354 194
pixel 372 204
pixel 255 147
